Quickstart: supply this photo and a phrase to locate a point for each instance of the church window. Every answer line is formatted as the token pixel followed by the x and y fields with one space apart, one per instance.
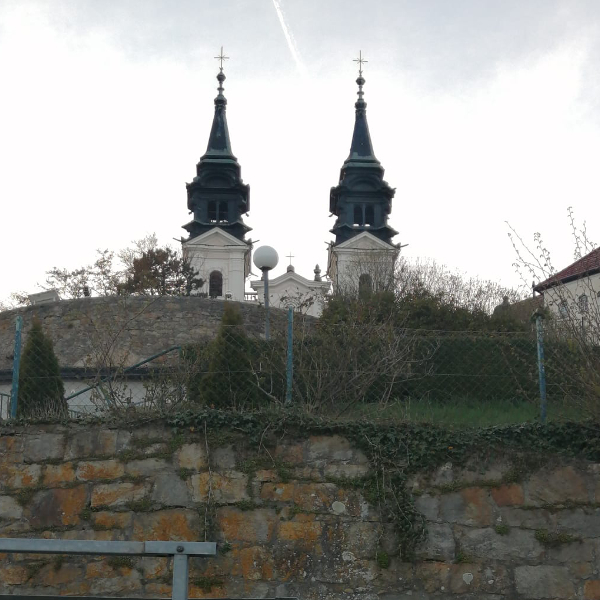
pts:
pixel 222 216
pixel 369 215
pixel 215 284
pixel 365 286
pixel 217 211
pixel 212 211
pixel 358 215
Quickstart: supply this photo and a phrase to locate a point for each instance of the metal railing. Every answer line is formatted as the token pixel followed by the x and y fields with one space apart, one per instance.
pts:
pixel 180 551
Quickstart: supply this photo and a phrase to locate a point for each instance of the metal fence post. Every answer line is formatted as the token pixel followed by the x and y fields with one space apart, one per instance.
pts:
pixel 541 367
pixel 290 356
pixel 180 576
pixel 14 393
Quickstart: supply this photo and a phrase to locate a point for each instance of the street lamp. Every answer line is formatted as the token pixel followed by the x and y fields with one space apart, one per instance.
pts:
pixel 266 258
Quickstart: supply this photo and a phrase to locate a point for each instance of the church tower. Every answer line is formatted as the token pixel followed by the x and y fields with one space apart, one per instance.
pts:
pixel 362 255
pixel 218 199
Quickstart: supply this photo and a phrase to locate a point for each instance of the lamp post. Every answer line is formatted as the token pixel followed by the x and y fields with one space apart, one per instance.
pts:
pixel 266 258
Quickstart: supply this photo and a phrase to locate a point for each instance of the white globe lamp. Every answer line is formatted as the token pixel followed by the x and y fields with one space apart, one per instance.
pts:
pixel 266 258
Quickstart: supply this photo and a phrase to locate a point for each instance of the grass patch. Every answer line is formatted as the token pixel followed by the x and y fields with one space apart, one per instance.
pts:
pixel 383 559
pixel 459 413
pixel 118 562
pixel 139 505
pixel 206 584
pixel 502 529
pixel 552 539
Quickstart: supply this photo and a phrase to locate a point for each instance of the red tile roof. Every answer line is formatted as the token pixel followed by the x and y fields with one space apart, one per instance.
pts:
pixel 586 265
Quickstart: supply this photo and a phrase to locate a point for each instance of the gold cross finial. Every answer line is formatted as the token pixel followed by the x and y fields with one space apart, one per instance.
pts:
pixel 360 60
pixel 221 58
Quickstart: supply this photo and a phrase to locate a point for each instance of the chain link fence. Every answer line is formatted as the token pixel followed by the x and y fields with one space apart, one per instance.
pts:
pixel 322 368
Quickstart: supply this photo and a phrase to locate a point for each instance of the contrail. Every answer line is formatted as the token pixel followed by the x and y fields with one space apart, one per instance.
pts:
pixel 290 39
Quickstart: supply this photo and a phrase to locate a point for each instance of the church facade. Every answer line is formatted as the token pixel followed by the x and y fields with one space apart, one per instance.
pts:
pixel 361 257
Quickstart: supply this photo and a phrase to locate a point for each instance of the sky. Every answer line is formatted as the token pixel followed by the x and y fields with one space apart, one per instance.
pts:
pixel 481 113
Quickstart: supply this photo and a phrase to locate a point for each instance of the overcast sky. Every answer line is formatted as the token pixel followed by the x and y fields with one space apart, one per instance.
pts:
pixel 481 112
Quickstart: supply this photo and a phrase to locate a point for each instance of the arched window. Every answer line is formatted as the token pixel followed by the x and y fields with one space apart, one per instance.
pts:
pixel 563 309
pixel 365 285
pixel 583 303
pixel 222 216
pixel 212 211
pixel 215 284
pixel 369 215
pixel 358 215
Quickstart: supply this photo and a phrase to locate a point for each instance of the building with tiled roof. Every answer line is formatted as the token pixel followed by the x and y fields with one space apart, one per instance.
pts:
pixel 574 292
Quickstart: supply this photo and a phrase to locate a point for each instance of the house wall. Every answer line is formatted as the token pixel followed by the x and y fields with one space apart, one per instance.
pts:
pixel 293 522
pixel 570 293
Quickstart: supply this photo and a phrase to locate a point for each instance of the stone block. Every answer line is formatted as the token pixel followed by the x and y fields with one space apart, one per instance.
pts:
pixel 228 487
pixel 110 520
pixel 349 471
pixel 591 589
pixel 433 576
pixel 486 544
pixel 11 448
pixel 253 526
pixel 174 524
pixel 50 576
pixel 468 507
pixel 58 474
pixel 154 567
pixel 329 448
pixel 10 508
pixel 362 539
pixel 256 563
pixel 302 532
pixel 583 522
pixel 191 456
pixel 13 574
pixel 170 490
pixel 19 476
pixel 146 467
pixel 544 581
pixel 508 495
pixel 96 443
pixel 43 446
pixel 99 469
pixel 528 519
pixel 570 553
pixel 223 458
pixel 560 485
pixel 477 578
pixel 57 507
pixel 439 544
pixel 307 496
pixel 290 453
pixel 428 506
pixel 118 494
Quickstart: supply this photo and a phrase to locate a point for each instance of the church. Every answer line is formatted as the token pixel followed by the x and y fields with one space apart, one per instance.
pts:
pixel 361 257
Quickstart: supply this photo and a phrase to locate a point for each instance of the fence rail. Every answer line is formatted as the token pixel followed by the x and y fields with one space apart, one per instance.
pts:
pixel 321 367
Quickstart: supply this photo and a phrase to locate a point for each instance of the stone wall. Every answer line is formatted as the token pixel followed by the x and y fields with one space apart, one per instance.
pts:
pixel 130 328
pixel 288 522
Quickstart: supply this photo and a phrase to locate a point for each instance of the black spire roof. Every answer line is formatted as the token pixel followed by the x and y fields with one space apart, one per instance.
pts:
pixel 217 195
pixel 362 200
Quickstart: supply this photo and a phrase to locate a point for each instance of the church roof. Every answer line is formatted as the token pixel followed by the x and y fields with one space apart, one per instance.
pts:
pixel 361 148
pixel 219 144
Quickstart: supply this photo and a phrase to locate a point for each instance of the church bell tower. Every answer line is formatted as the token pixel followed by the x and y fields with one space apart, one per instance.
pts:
pixel 218 198
pixel 362 255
